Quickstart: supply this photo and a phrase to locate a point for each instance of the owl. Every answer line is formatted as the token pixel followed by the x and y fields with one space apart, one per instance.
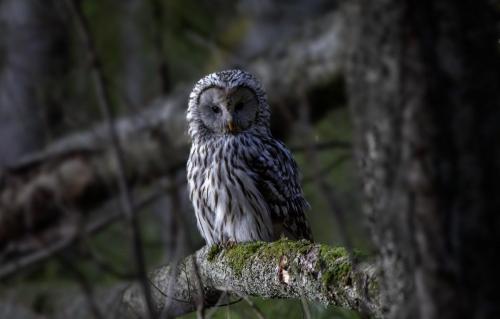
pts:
pixel 243 183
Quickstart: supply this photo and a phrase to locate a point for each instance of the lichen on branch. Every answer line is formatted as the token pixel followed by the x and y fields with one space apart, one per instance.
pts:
pixel 281 269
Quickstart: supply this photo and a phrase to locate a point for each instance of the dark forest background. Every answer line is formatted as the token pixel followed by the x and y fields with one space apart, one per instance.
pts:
pixel 388 108
pixel 149 51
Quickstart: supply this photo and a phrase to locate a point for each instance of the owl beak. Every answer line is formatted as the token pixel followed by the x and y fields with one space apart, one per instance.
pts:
pixel 231 127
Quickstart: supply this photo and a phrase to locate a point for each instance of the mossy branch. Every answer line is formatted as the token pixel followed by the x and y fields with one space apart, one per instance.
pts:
pixel 282 269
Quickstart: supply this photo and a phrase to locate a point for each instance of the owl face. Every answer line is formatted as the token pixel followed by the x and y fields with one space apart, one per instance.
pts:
pixel 228 110
pixel 227 103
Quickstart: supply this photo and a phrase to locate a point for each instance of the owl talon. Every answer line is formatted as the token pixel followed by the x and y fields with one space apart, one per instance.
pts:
pixel 229 244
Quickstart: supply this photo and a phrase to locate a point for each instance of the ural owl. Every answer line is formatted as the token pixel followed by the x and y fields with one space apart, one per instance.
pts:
pixel 243 183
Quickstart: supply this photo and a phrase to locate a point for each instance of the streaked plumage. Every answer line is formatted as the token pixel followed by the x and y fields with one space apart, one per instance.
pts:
pixel 243 183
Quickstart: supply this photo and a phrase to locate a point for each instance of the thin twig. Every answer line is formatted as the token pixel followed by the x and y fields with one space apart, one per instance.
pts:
pixel 182 237
pixel 177 229
pixel 218 304
pixel 85 285
pixel 199 295
pixel 326 189
pixel 252 305
pixel 92 227
pixel 104 101
pixel 106 267
pixel 38 256
pixel 323 185
pixel 306 310
pixel 173 273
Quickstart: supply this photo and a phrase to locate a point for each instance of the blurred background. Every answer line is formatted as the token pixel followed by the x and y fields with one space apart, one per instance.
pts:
pixel 65 238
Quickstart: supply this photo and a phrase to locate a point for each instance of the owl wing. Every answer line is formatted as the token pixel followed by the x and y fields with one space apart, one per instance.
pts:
pixel 277 179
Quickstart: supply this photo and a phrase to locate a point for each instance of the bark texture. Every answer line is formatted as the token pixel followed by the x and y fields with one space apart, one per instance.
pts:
pixel 282 269
pixel 423 85
pixel 31 33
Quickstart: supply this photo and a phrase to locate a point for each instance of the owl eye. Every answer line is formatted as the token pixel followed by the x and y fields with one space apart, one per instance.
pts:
pixel 239 106
pixel 215 109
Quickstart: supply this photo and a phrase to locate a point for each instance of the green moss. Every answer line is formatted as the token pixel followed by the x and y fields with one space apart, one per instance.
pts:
pixel 327 278
pixel 337 266
pixel 339 274
pixel 284 246
pixel 331 254
pixel 213 252
pixel 238 255
pixel 334 261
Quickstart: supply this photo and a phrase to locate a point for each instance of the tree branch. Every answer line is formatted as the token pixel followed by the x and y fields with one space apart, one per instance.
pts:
pixel 282 269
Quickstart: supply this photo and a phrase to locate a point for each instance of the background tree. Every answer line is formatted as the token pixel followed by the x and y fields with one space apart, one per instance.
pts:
pixel 32 57
pixel 423 90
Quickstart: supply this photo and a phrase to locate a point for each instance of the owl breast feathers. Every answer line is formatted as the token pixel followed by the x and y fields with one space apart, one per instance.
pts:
pixel 242 182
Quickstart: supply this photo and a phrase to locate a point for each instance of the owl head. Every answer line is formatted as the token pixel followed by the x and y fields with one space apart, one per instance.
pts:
pixel 229 102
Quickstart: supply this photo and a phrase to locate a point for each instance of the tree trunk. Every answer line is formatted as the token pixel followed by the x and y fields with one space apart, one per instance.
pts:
pixel 133 54
pixel 424 86
pixel 30 33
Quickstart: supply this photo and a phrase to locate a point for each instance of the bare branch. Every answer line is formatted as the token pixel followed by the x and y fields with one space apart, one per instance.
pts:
pixel 65 240
pixel 104 101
